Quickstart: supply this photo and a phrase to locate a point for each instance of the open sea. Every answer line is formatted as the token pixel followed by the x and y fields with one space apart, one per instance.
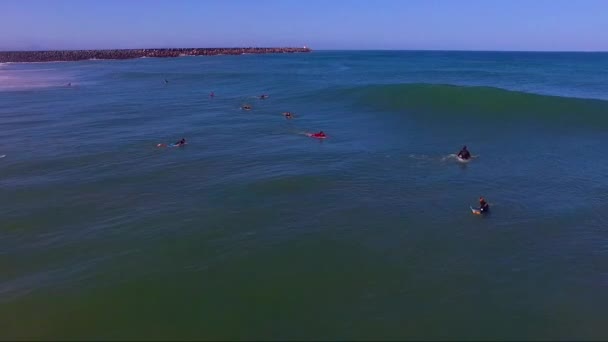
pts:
pixel 254 230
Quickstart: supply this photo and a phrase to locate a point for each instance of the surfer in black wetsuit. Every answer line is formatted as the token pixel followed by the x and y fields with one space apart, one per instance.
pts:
pixel 181 142
pixel 464 153
pixel 483 205
pixel 263 97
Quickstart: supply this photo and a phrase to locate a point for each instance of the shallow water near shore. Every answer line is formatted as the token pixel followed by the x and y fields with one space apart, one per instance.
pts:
pixel 255 231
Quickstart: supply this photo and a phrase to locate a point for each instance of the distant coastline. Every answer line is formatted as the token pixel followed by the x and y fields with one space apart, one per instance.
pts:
pixel 78 55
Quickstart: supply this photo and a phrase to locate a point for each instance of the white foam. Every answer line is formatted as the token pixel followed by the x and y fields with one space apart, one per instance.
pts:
pixel 419 156
pixel 46 62
pixel 456 158
pixel 12 80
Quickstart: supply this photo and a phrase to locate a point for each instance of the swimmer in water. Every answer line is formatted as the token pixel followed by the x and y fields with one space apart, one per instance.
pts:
pixel 484 207
pixel 464 153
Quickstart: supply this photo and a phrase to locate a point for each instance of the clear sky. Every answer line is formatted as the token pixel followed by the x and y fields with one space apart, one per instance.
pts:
pixel 562 25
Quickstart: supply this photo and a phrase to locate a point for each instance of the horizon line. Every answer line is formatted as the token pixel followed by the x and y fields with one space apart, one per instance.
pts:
pixel 471 50
pixel 312 49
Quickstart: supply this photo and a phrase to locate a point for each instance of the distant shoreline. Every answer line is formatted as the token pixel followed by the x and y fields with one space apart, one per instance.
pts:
pixel 79 55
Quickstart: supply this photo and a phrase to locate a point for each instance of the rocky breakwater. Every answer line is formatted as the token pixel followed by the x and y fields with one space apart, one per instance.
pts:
pixel 78 55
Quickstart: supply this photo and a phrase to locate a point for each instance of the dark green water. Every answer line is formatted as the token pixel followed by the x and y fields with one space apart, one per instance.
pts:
pixel 255 231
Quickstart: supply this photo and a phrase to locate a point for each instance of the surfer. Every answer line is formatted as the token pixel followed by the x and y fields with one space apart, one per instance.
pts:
pixel 321 134
pixel 464 153
pixel 212 94
pixel 180 143
pixel 483 205
pixel 246 107
pixel 263 97
pixel 288 115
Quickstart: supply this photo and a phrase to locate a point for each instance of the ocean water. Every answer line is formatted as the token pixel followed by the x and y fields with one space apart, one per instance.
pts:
pixel 255 231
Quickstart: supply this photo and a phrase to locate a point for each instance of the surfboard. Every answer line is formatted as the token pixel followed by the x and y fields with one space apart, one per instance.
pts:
pixel 475 211
pixel 170 145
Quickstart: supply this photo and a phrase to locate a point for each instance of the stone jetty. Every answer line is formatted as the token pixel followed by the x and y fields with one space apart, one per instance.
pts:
pixel 78 55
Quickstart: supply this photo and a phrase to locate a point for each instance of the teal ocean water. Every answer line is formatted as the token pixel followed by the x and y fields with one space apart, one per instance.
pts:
pixel 255 231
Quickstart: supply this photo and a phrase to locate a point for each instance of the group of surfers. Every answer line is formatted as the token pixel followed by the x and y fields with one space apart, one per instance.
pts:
pixel 463 154
pixel 287 115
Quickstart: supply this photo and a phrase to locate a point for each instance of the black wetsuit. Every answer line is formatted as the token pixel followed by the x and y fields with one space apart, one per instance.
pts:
pixel 464 154
pixel 484 206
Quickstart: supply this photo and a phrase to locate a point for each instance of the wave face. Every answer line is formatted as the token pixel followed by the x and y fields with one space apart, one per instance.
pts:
pixel 442 99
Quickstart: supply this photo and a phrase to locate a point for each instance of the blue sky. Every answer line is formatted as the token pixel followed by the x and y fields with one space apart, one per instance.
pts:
pixel 554 25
